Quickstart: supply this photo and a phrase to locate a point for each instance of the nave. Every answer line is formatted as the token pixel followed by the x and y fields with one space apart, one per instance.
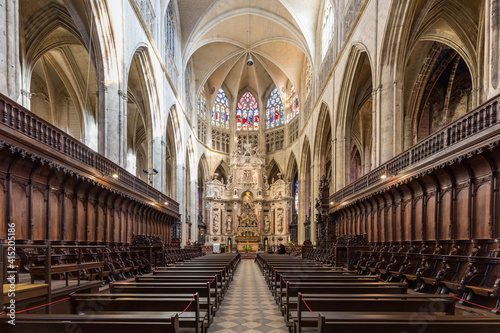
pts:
pixel 248 306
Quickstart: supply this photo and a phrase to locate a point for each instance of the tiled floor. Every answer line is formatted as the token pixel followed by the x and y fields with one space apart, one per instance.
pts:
pixel 248 305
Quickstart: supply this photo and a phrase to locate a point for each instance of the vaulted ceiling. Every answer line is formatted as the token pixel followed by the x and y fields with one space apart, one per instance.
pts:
pixel 219 35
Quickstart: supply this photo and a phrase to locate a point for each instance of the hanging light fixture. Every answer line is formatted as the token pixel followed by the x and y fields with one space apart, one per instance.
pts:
pixel 250 60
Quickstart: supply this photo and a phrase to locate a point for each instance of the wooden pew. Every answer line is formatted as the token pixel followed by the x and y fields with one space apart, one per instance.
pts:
pixel 289 300
pixel 94 323
pixel 220 287
pixel 281 285
pixel 196 270
pixel 188 308
pixel 274 280
pixel 303 317
pixel 203 289
pixel 405 322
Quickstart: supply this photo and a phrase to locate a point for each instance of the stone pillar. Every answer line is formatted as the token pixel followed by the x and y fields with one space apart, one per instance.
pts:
pixel 492 48
pixel 111 121
pixel 9 50
pixel 156 161
pixel 122 106
pixel 340 163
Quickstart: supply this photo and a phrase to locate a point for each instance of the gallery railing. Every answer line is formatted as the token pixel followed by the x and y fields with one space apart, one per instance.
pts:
pixel 23 121
pixel 472 124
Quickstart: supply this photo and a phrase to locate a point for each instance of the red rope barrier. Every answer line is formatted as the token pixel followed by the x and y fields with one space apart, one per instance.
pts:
pixel 187 307
pixel 479 305
pixel 212 280
pixel 39 306
pixel 309 307
pixel 378 277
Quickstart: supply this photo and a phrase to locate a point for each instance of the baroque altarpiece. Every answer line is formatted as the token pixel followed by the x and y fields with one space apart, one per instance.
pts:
pixel 248 209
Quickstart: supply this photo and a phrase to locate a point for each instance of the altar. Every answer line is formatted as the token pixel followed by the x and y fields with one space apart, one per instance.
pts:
pixel 247 209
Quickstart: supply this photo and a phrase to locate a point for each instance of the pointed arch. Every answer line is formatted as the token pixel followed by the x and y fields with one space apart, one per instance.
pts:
pixel 272 171
pixel 323 143
pixel 354 119
pixel 54 70
pixel 172 151
pixel 291 167
pixel 223 170
pixel 247 112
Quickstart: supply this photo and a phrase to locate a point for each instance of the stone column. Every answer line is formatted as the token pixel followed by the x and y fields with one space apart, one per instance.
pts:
pixel 9 49
pixel 492 48
pixel 110 122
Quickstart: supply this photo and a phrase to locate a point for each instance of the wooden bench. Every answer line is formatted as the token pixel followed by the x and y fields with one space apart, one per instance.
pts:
pixel 404 322
pixel 94 323
pixel 303 317
pixel 66 268
pixel 188 308
pixel 220 287
pixel 203 289
pixel 289 301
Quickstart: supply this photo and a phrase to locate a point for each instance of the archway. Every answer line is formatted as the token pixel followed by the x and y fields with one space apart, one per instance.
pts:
pixel 60 74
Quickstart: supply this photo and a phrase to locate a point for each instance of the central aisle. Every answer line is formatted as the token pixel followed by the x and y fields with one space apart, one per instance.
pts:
pixel 248 305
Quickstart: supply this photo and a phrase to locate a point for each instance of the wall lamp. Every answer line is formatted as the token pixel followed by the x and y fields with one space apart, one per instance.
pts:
pixel 150 175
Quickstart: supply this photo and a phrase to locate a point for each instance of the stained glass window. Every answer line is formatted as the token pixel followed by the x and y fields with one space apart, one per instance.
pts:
pixel 170 29
pixel 328 27
pixel 308 78
pixel 296 185
pixel 220 111
pixel 275 112
pixel 202 104
pixel 294 104
pixel 247 113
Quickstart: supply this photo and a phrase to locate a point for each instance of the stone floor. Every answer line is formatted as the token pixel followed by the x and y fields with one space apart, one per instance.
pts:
pixel 248 305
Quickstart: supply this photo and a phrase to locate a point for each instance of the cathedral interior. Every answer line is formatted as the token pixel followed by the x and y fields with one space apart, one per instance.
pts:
pixel 318 124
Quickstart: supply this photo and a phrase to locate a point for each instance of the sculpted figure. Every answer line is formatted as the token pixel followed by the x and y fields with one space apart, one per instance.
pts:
pixel 216 222
pixel 280 222
pixel 267 223
pixel 229 223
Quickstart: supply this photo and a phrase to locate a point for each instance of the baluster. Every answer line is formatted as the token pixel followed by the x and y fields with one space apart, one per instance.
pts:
pixel 12 115
pixel 480 124
pixel 43 133
pixel 4 108
pixel 29 124
pixel 487 116
pixel 24 123
pixel 494 113
pixel 19 121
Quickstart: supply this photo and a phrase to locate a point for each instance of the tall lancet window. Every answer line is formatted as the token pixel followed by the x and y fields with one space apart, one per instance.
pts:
pixel 308 78
pixel 202 104
pixel 220 111
pixel 170 29
pixel 328 27
pixel 294 103
pixel 247 113
pixel 275 112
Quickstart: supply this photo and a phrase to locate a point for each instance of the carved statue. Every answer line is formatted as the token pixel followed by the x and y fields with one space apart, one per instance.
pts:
pixel 229 223
pixel 216 222
pixel 280 221
pixel 267 223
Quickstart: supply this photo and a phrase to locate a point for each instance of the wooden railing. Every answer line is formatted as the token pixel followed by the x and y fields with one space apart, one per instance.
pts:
pixel 473 123
pixel 18 118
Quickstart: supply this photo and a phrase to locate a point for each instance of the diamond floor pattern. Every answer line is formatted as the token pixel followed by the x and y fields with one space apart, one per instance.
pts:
pixel 248 305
